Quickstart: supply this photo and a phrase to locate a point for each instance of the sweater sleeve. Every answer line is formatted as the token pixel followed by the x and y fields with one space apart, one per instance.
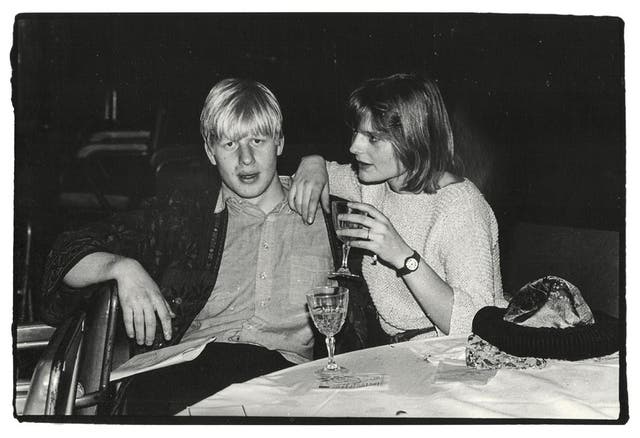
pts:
pixel 470 256
pixel 343 181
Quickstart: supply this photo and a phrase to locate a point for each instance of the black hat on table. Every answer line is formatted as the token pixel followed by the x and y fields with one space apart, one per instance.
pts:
pixel 548 318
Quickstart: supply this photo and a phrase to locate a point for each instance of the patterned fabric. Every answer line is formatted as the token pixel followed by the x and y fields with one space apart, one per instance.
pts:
pixel 549 302
pixel 483 355
pixel 163 236
pixel 456 234
pixel 180 241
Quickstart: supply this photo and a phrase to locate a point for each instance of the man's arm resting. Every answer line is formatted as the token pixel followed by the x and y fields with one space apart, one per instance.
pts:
pixel 93 268
pixel 140 297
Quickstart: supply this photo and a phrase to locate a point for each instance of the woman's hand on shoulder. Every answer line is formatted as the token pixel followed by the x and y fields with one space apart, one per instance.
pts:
pixel 310 186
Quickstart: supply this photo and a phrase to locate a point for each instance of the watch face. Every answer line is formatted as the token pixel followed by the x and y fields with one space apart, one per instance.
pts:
pixel 412 264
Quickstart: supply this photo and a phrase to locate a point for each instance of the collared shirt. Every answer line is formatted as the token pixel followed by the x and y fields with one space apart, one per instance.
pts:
pixel 270 261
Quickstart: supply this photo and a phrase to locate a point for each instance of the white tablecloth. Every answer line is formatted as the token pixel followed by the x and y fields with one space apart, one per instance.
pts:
pixel 564 390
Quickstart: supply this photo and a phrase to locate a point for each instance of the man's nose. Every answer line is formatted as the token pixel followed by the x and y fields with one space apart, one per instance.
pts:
pixel 246 153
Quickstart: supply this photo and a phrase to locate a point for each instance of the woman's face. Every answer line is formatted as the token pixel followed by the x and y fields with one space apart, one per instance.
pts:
pixel 376 158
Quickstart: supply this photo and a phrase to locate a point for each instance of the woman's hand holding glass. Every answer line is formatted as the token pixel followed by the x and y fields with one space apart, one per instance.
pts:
pixel 378 234
pixel 339 209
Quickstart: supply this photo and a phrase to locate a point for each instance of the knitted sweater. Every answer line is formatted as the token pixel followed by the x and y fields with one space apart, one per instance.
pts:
pixel 456 234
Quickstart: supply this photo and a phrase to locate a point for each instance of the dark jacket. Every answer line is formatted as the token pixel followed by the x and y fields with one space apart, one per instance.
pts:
pixel 179 240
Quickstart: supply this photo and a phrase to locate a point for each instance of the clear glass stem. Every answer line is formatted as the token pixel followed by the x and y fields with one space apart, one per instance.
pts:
pixel 345 256
pixel 331 345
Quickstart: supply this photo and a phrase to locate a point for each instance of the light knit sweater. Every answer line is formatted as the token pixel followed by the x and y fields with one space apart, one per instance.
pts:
pixel 456 234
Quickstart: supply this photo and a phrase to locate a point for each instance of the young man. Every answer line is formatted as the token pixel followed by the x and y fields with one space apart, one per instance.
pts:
pixel 234 263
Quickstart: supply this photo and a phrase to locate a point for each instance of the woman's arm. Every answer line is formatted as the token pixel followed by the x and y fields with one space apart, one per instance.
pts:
pixel 310 185
pixel 469 253
pixel 433 294
pixel 315 179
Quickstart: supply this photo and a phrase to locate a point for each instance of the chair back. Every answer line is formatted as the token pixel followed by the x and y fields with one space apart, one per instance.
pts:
pixel 52 389
pixel 99 351
pixel 72 376
pixel 587 258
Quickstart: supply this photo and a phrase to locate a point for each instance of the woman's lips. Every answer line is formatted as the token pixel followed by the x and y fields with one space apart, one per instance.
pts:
pixel 363 166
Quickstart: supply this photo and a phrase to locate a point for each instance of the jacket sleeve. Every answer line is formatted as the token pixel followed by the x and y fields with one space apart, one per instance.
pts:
pixel 144 235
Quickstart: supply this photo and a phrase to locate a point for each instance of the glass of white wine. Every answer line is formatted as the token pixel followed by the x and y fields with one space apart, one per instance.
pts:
pixel 328 309
pixel 337 208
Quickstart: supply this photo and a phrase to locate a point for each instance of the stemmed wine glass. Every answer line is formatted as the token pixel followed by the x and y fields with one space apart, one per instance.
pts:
pixel 337 208
pixel 328 309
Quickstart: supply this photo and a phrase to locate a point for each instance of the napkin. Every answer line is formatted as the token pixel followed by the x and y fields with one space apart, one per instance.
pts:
pixel 457 371
pixel 481 354
pixel 163 357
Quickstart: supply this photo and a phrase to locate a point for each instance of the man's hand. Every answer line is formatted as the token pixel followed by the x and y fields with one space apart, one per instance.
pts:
pixel 140 299
pixel 310 186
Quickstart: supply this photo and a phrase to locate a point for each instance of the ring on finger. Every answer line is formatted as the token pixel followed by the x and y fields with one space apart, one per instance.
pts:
pixel 368 231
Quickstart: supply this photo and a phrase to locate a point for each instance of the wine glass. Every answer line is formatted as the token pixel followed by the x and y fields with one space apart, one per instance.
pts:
pixel 340 207
pixel 328 310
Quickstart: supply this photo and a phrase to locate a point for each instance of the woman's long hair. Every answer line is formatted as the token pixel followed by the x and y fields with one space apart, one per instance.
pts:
pixel 410 112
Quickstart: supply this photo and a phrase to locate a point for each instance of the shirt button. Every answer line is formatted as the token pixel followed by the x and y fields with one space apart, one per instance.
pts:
pixel 265 245
pixel 263 275
pixel 262 303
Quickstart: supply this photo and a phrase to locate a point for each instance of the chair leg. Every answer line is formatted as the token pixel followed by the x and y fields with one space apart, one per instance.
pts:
pixel 26 302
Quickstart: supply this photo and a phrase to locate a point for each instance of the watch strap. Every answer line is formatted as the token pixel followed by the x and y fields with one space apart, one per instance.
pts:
pixel 404 270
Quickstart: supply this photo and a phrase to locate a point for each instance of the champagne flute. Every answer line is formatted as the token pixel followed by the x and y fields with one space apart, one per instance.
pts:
pixel 328 309
pixel 337 208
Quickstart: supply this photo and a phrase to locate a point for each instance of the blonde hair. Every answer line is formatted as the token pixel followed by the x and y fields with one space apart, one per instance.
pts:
pixel 235 108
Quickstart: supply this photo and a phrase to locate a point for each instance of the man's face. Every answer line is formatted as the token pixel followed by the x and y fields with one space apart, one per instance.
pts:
pixel 247 165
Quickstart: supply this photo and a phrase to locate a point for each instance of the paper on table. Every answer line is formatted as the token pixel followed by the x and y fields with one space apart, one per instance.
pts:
pixel 161 358
pixel 353 381
pixel 457 371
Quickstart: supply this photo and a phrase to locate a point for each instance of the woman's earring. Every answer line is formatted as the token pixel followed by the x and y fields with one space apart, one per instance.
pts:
pixel 374 260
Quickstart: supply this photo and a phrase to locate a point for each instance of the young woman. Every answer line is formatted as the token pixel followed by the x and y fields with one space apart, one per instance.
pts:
pixel 432 238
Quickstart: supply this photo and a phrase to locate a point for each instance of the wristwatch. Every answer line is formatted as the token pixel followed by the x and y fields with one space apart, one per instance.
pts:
pixel 411 263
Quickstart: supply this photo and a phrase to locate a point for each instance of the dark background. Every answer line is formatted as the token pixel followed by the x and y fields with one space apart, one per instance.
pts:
pixel 537 102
